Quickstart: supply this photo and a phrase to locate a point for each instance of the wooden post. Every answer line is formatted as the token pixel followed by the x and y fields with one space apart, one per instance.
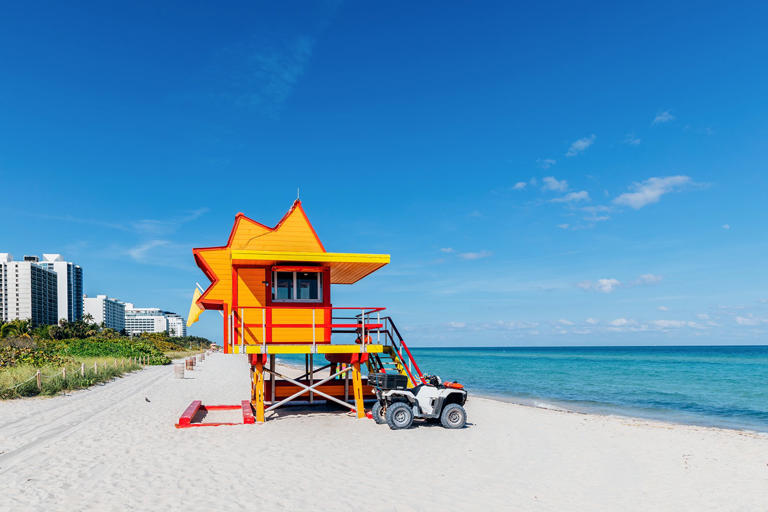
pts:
pixel 39 379
pixel 82 369
pixel 357 385
pixel 115 363
pixel 258 389
pixel 122 362
pixel 64 372
pixel 95 367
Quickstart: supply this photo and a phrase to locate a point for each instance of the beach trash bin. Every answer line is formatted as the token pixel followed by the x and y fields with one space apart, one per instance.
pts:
pixel 178 370
pixel 190 364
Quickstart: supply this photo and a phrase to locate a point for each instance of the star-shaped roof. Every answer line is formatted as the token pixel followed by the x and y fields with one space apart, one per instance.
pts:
pixel 293 239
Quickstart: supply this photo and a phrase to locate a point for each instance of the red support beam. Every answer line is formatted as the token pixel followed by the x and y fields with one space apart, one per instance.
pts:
pixel 189 413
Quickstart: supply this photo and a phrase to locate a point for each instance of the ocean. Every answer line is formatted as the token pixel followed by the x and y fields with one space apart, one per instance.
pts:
pixel 722 386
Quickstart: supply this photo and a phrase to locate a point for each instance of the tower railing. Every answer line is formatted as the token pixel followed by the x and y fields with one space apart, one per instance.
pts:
pixel 367 323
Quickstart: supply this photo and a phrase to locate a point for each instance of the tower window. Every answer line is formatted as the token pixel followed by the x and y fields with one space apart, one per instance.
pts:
pixel 297 286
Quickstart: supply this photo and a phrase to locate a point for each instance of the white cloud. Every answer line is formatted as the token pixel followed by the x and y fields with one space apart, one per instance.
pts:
pixel 564 321
pixel 651 190
pixel 545 163
pixel 563 226
pixel 140 252
pixel 665 324
pixel 677 324
pixel 663 117
pixel 553 184
pixel 620 322
pixel 520 185
pixel 457 325
pixel 632 140
pixel 748 320
pixel 594 213
pixel 474 255
pixel 604 285
pixel 269 74
pixel 726 226
pixel 573 197
pixel 608 285
pixel 648 279
pixel 592 321
pixel 580 145
pixel 702 316
pixel 447 250
pixel 663 308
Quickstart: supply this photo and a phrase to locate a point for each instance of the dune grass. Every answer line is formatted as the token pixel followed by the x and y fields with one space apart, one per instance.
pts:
pixel 20 381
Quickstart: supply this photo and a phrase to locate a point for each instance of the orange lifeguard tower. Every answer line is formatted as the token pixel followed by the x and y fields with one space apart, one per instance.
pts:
pixel 273 287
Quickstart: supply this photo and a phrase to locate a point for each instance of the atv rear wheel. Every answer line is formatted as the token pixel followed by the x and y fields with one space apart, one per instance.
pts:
pixel 379 413
pixel 399 416
pixel 453 416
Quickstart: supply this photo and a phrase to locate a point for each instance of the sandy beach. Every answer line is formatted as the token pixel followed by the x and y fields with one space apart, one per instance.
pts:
pixel 114 447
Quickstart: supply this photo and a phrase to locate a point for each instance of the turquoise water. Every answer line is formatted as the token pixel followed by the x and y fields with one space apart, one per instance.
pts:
pixel 717 386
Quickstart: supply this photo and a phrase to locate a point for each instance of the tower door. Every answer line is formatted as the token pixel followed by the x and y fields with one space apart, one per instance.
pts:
pixel 249 298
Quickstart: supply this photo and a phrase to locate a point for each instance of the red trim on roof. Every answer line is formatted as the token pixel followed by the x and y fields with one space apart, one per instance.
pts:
pixel 219 304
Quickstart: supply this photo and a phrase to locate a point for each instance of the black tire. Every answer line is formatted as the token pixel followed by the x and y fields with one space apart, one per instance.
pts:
pixel 379 413
pixel 399 416
pixel 453 416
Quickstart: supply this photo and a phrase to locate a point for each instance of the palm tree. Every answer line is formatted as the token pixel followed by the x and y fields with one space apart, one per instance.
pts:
pixel 16 328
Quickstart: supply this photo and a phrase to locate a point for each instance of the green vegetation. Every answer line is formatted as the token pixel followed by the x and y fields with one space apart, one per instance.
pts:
pixel 25 349
pixel 21 381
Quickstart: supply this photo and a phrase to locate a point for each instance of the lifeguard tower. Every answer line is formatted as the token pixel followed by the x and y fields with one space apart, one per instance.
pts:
pixel 273 288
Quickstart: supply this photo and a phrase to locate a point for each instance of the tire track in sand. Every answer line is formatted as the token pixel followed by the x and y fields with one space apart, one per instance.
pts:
pixel 62 418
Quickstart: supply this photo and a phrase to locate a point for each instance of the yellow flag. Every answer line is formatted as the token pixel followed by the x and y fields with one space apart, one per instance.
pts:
pixel 194 309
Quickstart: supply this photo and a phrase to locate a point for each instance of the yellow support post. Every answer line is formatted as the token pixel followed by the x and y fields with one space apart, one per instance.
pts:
pixel 258 390
pixel 357 385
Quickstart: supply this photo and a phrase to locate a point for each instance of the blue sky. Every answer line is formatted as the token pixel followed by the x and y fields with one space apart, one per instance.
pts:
pixel 548 174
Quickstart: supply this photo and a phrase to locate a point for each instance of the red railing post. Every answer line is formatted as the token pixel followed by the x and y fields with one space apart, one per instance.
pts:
pixel 410 356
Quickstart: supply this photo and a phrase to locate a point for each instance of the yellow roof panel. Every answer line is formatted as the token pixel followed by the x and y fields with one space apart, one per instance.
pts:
pixel 346 268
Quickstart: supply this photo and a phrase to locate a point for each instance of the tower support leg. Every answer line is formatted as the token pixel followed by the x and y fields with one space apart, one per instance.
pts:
pixel 258 389
pixel 357 385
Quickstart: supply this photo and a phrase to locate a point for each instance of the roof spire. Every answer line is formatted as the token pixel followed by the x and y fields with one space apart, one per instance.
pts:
pixel 297 193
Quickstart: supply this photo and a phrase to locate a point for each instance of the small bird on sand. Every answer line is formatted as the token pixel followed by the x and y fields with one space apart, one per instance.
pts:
pixel 147 399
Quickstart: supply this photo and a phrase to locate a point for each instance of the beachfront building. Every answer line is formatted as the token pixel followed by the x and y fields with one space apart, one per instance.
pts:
pixel 177 325
pixel 27 291
pixel 153 320
pixel 105 310
pixel 69 286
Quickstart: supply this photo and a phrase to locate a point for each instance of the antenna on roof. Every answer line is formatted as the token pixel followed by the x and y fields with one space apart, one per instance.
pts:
pixel 297 193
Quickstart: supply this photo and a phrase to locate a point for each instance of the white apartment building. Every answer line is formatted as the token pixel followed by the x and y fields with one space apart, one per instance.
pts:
pixel 139 320
pixel 27 291
pixel 70 286
pixel 110 312
pixel 177 326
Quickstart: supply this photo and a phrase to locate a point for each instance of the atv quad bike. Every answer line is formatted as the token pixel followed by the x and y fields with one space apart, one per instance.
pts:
pixel 397 405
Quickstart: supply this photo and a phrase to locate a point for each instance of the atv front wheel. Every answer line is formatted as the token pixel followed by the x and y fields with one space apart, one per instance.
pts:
pixel 379 413
pixel 399 416
pixel 453 416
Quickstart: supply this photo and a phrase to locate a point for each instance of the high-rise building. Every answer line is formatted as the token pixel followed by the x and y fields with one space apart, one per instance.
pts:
pixel 27 291
pixel 139 320
pixel 110 312
pixel 70 286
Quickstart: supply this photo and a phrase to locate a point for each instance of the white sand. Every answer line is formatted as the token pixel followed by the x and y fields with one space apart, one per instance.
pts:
pixel 109 449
